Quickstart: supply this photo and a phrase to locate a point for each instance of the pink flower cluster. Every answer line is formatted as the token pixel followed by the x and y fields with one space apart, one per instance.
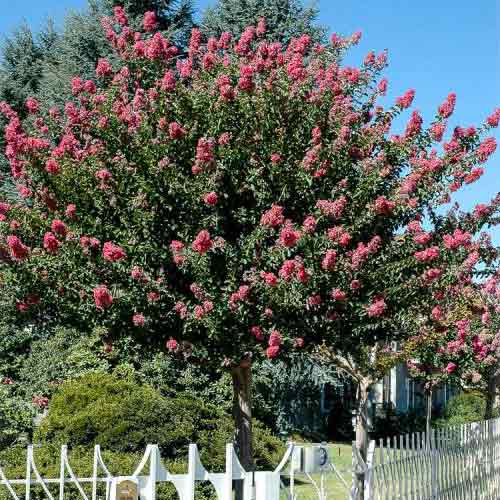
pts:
pixel 18 250
pixel 294 268
pixel 112 252
pixel 202 243
pixel 362 252
pixel 383 206
pixel 332 208
pixel 102 297
pixel 427 255
pixel 289 236
pixel 273 217
pixel 376 308
pixel 339 235
pixel 446 109
pixel 274 342
pixel 458 239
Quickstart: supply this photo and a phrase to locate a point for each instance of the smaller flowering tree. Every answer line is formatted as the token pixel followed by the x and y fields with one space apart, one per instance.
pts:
pixel 462 347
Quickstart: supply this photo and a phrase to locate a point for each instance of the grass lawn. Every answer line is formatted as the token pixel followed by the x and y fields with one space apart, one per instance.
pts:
pixel 342 460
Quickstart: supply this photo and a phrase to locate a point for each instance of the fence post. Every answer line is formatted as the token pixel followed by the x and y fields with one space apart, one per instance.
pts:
pixel 369 471
pixel 434 463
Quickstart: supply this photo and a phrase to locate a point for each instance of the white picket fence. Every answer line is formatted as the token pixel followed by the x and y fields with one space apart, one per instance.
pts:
pixel 455 463
pixel 298 461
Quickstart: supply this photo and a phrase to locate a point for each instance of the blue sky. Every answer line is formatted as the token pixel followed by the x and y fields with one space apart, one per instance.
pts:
pixel 435 47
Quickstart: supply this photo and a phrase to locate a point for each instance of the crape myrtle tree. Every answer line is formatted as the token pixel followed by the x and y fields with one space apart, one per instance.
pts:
pixel 462 347
pixel 285 19
pixel 242 201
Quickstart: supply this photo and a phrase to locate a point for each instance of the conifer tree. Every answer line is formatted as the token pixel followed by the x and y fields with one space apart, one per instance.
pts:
pixel 285 19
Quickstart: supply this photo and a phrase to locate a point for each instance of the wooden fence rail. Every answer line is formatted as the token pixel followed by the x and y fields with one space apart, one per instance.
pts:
pixel 456 463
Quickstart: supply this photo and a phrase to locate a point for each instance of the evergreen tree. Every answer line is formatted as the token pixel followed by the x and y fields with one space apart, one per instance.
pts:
pixel 284 19
pixel 82 41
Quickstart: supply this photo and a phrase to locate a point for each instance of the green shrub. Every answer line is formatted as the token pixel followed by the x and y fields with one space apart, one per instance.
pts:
pixel 123 416
pixel 462 409
pixel 16 417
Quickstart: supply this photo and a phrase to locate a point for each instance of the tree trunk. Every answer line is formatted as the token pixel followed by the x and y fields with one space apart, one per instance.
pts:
pixel 490 397
pixel 428 416
pixel 242 414
pixel 362 437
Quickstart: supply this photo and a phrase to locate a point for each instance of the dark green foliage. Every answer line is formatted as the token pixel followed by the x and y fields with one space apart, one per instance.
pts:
pixel 288 394
pixel 123 416
pixel 464 408
pixel 394 423
pixel 285 19
pixel 62 355
pixel 16 417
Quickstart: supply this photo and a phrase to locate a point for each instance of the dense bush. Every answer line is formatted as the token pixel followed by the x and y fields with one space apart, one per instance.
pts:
pixel 462 409
pixel 15 417
pixel 123 417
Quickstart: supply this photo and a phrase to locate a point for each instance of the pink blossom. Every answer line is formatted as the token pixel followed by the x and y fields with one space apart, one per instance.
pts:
pixel 289 237
pixel 446 109
pixel 275 158
pixel 309 225
pixel 328 262
pixel 299 342
pixel 256 331
pixel 176 131
pixel 171 344
pixel 51 243
pixel 137 273
pixel 120 15
pixel 32 105
pixel 202 243
pixel 339 295
pixel 332 208
pixel 494 118
pixel 59 227
pixel 287 270
pixel 149 22
pixel 376 308
pixel 427 255
pixel 275 338
pixel 153 296
pixel 355 285
pixel 273 217
pixel 272 351
pixel 405 100
pixel 450 368
pixel 210 198
pixel 414 126
pixel 314 300
pixel 138 319
pixel 70 211
pixel 437 131
pixel 422 238
pixel 52 167
pixel 181 309
pixel 269 278
pixel 112 252
pixel 103 68
pixel 261 27
pixel 102 297
pixel 383 206
pixel 437 313
pixel 18 250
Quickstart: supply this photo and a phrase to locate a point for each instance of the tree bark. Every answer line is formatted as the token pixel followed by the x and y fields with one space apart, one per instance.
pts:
pixel 428 416
pixel 490 397
pixel 242 414
pixel 362 437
